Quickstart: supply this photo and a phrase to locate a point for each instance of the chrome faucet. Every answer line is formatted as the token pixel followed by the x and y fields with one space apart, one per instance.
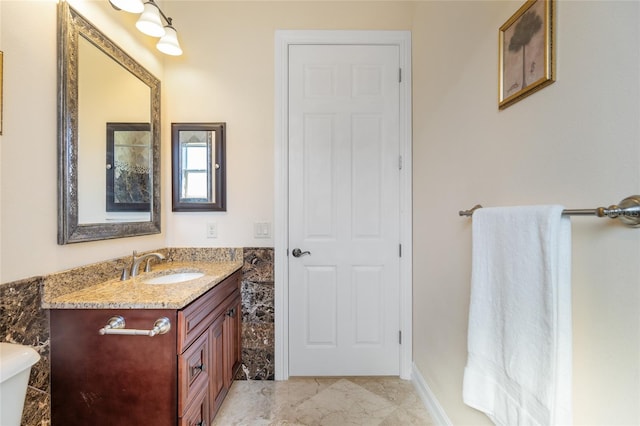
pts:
pixel 137 260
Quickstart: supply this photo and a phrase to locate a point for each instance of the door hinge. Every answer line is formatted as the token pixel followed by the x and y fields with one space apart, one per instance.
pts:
pixel 399 75
pixel 399 250
pixel 400 162
pixel 399 337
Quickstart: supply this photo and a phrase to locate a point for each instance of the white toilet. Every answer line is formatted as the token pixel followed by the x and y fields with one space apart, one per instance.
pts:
pixel 15 366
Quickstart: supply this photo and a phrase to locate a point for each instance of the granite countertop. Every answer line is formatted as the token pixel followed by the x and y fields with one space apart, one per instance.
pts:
pixel 135 294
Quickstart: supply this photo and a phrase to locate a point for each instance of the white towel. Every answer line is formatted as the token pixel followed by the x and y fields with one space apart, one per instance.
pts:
pixel 519 342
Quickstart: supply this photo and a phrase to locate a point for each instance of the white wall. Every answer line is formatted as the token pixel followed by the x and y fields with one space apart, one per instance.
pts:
pixel 576 142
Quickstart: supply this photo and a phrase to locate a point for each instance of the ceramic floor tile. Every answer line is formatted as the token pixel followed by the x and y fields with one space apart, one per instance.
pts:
pixel 343 403
pixel 385 401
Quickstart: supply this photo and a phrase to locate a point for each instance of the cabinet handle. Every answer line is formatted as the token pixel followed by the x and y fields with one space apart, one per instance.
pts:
pixel 231 312
pixel 200 367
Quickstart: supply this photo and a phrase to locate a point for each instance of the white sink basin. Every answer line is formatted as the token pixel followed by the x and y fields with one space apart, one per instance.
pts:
pixel 174 278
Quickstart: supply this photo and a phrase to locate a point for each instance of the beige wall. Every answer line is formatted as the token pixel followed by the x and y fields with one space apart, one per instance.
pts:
pixel 28 200
pixel 575 143
pixel 227 74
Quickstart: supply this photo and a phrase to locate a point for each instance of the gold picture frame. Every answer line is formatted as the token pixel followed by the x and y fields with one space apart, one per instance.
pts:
pixel 526 52
pixel 1 67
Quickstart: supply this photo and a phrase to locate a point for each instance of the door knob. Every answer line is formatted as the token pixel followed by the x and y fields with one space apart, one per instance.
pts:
pixel 297 252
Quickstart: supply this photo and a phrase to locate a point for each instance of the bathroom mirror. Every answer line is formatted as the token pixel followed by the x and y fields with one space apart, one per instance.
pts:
pixel 198 166
pixel 108 137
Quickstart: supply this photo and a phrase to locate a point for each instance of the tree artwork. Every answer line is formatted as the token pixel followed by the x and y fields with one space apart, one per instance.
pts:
pixel 526 52
pixel 526 28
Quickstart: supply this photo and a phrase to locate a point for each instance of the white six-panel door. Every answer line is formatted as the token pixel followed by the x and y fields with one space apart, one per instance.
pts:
pixel 344 209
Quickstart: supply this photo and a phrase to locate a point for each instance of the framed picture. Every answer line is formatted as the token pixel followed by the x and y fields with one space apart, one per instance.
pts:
pixel 526 52
pixel 128 167
pixel 1 67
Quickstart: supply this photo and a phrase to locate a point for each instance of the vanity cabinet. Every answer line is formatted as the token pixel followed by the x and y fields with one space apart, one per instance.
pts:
pixel 180 377
pixel 209 348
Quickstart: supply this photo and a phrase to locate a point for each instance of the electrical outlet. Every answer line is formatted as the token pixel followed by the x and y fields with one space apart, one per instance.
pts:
pixel 262 230
pixel 212 230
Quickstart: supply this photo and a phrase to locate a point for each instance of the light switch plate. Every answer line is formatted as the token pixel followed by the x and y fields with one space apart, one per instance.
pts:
pixel 212 230
pixel 262 230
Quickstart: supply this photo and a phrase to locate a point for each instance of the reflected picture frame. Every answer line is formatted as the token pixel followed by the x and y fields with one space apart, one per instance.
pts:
pixel 526 46
pixel 128 159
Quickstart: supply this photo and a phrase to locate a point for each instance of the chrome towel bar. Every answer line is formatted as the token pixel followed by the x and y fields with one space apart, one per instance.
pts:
pixel 116 325
pixel 628 211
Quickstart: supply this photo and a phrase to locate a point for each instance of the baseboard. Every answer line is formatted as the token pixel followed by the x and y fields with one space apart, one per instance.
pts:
pixel 429 399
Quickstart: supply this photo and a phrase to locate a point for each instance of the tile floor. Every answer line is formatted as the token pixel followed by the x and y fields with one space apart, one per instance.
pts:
pixel 384 401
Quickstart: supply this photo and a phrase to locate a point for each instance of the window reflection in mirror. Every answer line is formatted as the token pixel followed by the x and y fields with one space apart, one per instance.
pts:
pixel 198 151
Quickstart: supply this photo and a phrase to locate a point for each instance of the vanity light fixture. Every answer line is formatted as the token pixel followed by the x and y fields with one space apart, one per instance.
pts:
pixel 150 23
pixel 131 6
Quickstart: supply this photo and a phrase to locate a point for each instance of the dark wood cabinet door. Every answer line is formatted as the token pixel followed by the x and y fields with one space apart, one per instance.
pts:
pixel 217 384
pixel 112 379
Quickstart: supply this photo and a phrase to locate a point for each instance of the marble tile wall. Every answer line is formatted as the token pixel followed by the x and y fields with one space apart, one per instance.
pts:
pixel 23 321
pixel 258 347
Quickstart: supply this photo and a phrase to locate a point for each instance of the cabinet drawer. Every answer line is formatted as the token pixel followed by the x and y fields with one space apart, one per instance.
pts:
pixel 197 413
pixel 193 370
pixel 196 317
